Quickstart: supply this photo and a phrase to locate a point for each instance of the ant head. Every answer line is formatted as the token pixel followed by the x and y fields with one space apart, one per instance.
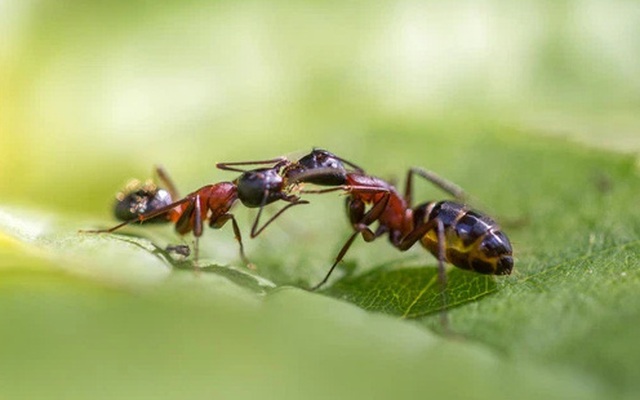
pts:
pixel 259 186
pixel 137 199
pixel 319 167
pixel 319 158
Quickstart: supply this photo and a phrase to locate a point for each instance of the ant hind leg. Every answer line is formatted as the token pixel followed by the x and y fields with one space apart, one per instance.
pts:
pixel 442 276
pixel 415 236
pixel 443 184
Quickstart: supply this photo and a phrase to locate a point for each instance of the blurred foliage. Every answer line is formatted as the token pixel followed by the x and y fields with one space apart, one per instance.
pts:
pixel 92 94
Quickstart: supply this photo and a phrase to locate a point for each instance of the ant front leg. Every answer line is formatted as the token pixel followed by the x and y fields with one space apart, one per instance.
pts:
pixel 230 166
pixel 361 226
pixel 255 231
pixel 445 185
pixel 361 220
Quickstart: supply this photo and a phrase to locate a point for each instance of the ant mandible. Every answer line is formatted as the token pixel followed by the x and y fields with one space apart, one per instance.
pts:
pixel 254 188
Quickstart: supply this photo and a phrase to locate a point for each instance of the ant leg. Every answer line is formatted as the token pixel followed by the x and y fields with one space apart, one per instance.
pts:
pixel 197 230
pixel 382 229
pixel 219 223
pixel 167 181
pixel 343 251
pixel 238 236
pixel 374 214
pixel 196 252
pixel 339 257
pixel 442 277
pixel 255 231
pixel 230 166
pixel 143 217
pixel 361 227
pixel 191 220
pixel 416 235
pixel 447 186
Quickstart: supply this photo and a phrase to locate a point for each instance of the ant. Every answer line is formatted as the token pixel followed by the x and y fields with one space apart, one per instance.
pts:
pixel 138 198
pixel 254 188
pixel 449 230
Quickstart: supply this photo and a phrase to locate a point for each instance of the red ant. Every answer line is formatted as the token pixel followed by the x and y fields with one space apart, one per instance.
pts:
pixel 449 230
pixel 254 188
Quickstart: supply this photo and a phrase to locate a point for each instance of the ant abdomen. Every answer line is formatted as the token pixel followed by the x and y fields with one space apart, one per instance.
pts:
pixel 138 199
pixel 472 241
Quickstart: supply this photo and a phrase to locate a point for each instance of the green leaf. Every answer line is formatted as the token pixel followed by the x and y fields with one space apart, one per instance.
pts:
pixel 411 292
pixel 113 259
pixel 554 320
pixel 93 93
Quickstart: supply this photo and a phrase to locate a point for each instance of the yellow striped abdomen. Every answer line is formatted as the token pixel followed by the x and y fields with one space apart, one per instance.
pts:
pixel 472 241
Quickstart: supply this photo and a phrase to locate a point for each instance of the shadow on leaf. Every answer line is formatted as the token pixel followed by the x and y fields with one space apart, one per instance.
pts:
pixel 411 292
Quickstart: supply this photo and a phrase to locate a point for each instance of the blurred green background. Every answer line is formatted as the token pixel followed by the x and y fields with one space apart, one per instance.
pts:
pixel 95 93
pixel 532 106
